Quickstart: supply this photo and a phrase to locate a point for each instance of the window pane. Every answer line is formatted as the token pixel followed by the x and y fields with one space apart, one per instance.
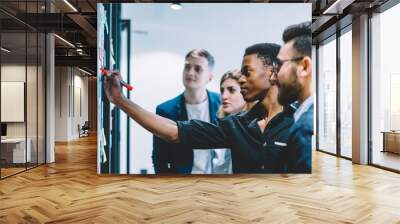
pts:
pixel 327 97
pixel 15 150
pixel 31 100
pixel 41 99
pixel 385 86
pixel 346 94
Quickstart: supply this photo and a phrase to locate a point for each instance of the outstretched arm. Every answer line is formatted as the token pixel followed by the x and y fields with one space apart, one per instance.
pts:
pixel 159 126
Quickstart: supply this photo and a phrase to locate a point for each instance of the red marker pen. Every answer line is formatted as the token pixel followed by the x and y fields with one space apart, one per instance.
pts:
pixel 106 72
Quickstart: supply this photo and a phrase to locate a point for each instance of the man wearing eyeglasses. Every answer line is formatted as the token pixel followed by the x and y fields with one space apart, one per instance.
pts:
pixel 292 74
pixel 257 138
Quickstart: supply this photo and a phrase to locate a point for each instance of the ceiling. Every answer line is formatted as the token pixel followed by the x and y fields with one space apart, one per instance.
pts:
pixel 332 15
pixel 76 22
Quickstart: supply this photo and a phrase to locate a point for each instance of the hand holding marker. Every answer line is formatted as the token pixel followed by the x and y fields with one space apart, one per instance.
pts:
pixel 106 72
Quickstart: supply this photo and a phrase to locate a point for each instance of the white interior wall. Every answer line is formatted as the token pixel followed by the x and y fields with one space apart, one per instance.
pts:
pixel 79 117
pixel 12 73
pixel 61 111
pixel 17 73
pixel 68 81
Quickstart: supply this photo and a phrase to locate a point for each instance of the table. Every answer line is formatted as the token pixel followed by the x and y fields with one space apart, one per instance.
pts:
pixel 391 141
pixel 13 150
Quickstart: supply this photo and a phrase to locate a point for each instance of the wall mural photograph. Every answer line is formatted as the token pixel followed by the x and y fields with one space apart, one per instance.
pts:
pixel 204 88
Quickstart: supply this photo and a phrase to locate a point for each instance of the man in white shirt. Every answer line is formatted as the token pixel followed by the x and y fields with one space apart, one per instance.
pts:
pixel 196 102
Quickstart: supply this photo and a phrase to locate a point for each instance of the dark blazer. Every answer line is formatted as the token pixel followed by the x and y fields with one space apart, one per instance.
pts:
pixel 253 151
pixel 299 143
pixel 171 157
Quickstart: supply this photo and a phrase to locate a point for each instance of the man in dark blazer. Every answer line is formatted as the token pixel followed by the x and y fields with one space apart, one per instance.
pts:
pixel 293 77
pixel 196 102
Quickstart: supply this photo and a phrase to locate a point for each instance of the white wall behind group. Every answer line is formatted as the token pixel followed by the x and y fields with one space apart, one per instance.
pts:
pixel 71 96
pixel 163 37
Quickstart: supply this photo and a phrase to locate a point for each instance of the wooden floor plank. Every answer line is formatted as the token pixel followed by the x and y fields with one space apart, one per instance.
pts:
pixel 70 191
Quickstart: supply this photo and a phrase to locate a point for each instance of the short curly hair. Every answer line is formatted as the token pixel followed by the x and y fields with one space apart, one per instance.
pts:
pixel 265 51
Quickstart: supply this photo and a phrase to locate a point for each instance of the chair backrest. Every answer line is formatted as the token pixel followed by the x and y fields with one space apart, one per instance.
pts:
pixel 86 124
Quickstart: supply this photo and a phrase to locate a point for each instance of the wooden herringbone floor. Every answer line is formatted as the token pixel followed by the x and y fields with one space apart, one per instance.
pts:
pixel 70 191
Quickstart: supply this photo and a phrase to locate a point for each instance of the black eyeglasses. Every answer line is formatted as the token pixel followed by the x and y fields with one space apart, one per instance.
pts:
pixel 278 64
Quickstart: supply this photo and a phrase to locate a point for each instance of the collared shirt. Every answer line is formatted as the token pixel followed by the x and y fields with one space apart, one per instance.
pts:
pixel 253 151
pixel 303 108
pixel 299 143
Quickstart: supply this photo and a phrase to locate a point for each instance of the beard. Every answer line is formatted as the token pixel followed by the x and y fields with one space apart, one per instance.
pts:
pixel 289 92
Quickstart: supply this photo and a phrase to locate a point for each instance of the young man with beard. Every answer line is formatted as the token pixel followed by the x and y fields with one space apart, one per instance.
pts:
pixel 257 138
pixel 293 77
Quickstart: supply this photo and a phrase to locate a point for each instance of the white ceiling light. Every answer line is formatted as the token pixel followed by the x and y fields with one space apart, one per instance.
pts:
pixel 5 50
pixel 337 7
pixel 86 72
pixel 176 6
pixel 332 8
pixel 79 51
pixel 65 41
pixel 70 5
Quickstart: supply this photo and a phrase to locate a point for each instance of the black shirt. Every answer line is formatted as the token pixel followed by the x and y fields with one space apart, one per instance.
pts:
pixel 253 151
